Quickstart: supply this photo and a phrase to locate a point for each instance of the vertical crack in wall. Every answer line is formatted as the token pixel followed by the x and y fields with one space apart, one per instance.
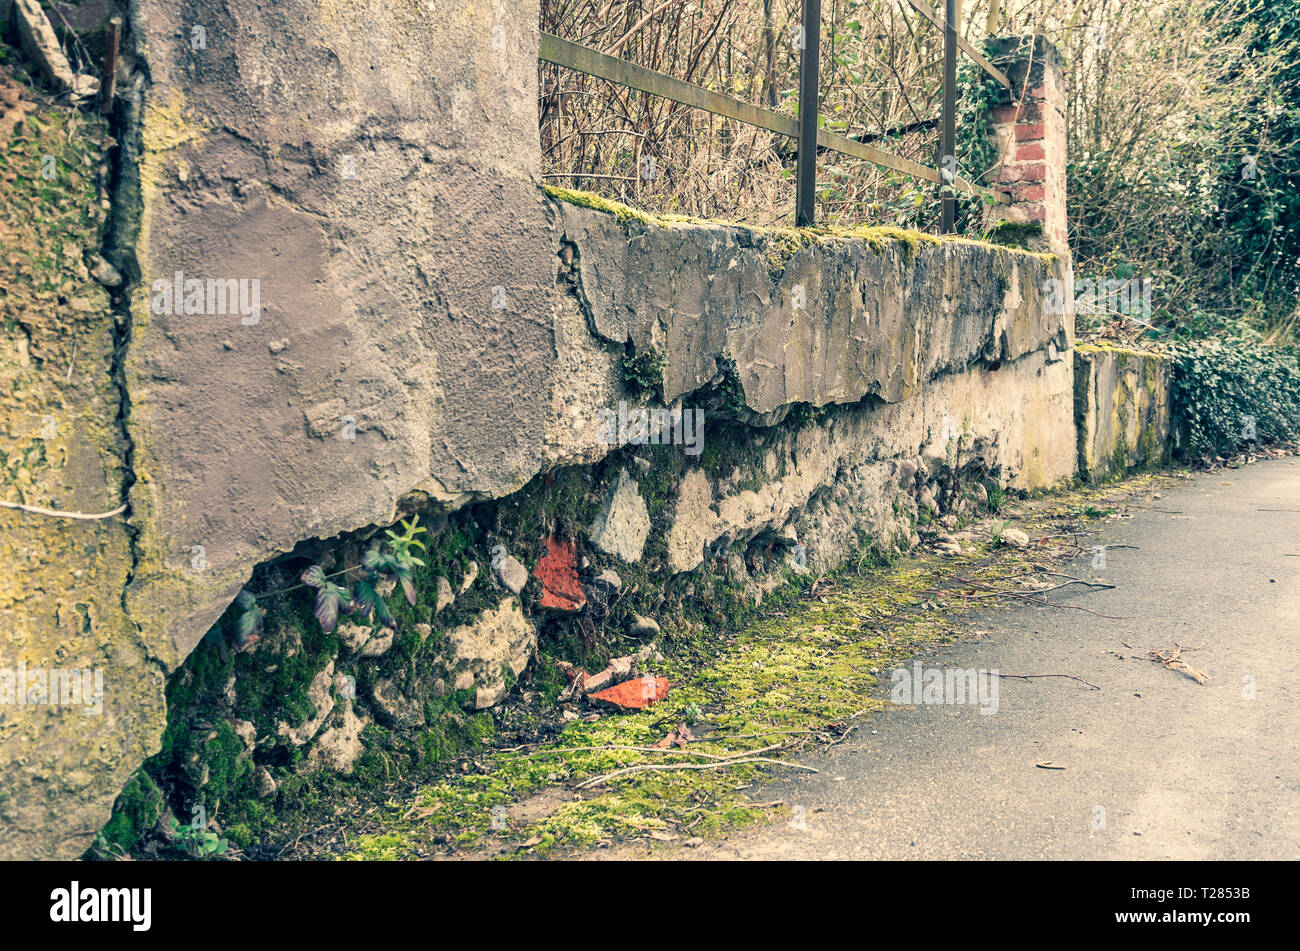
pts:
pixel 119 250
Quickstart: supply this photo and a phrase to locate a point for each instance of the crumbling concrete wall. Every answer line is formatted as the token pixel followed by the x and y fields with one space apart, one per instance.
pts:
pixel 391 315
pixel 374 170
pixel 62 447
pixel 1123 407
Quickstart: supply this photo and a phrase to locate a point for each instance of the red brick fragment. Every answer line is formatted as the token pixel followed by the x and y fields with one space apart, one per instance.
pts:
pixel 558 572
pixel 635 694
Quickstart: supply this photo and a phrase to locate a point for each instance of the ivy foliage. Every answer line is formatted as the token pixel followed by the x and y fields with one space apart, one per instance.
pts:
pixel 977 152
pixel 1235 393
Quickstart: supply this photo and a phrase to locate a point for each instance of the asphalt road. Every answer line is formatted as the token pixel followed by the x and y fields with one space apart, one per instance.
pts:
pixel 1157 766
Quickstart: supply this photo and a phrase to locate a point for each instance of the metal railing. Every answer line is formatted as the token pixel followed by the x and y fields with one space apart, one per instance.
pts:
pixel 804 129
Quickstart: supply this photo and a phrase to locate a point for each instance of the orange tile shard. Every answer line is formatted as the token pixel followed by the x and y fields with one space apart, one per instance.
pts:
pixel 635 694
pixel 558 572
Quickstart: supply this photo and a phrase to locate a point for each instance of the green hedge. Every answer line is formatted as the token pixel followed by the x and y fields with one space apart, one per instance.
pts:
pixel 1221 385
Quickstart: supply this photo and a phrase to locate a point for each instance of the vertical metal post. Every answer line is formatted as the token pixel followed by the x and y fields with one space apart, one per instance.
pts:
pixel 769 51
pixel 806 173
pixel 108 83
pixel 948 146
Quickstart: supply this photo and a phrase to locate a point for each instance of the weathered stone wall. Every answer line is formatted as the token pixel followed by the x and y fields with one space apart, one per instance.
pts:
pixel 62 447
pixel 432 332
pixel 915 375
pixel 1123 410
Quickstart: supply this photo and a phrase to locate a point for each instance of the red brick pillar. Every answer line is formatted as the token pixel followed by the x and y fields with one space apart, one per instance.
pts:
pixel 1029 128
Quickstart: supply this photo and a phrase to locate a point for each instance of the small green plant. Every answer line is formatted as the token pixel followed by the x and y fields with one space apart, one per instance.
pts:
pixel 1091 511
pixel 642 372
pixel 199 843
pixel 729 390
pixel 393 560
pixel 996 530
pixel 1015 234
pixel 691 714
pixel 997 498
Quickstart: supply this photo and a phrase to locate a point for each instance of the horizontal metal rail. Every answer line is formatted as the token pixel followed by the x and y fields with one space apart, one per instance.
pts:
pixel 552 49
pixel 932 15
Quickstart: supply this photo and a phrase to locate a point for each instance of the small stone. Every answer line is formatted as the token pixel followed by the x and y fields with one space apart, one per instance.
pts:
pixel 445 597
pixel 264 783
pixel 610 578
pixel 338 747
pixel 245 730
pixel 623 524
pixel 378 645
pixel 935 455
pixel 510 574
pixel 104 273
pixel 424 630
pixel 1015 538
pixel 321 696
pixel 398 709
pixel 981 493
pixel 643 626
pixel 471 575
pixel 353 636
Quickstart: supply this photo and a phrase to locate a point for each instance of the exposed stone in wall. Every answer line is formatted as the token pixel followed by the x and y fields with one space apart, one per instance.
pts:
pixel 501 640
pixel 623 523
pixel 839 482
pixel 1123 410
pixel 758 506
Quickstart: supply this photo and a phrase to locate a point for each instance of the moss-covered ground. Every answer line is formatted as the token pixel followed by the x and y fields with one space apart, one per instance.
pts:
pixel 796 674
